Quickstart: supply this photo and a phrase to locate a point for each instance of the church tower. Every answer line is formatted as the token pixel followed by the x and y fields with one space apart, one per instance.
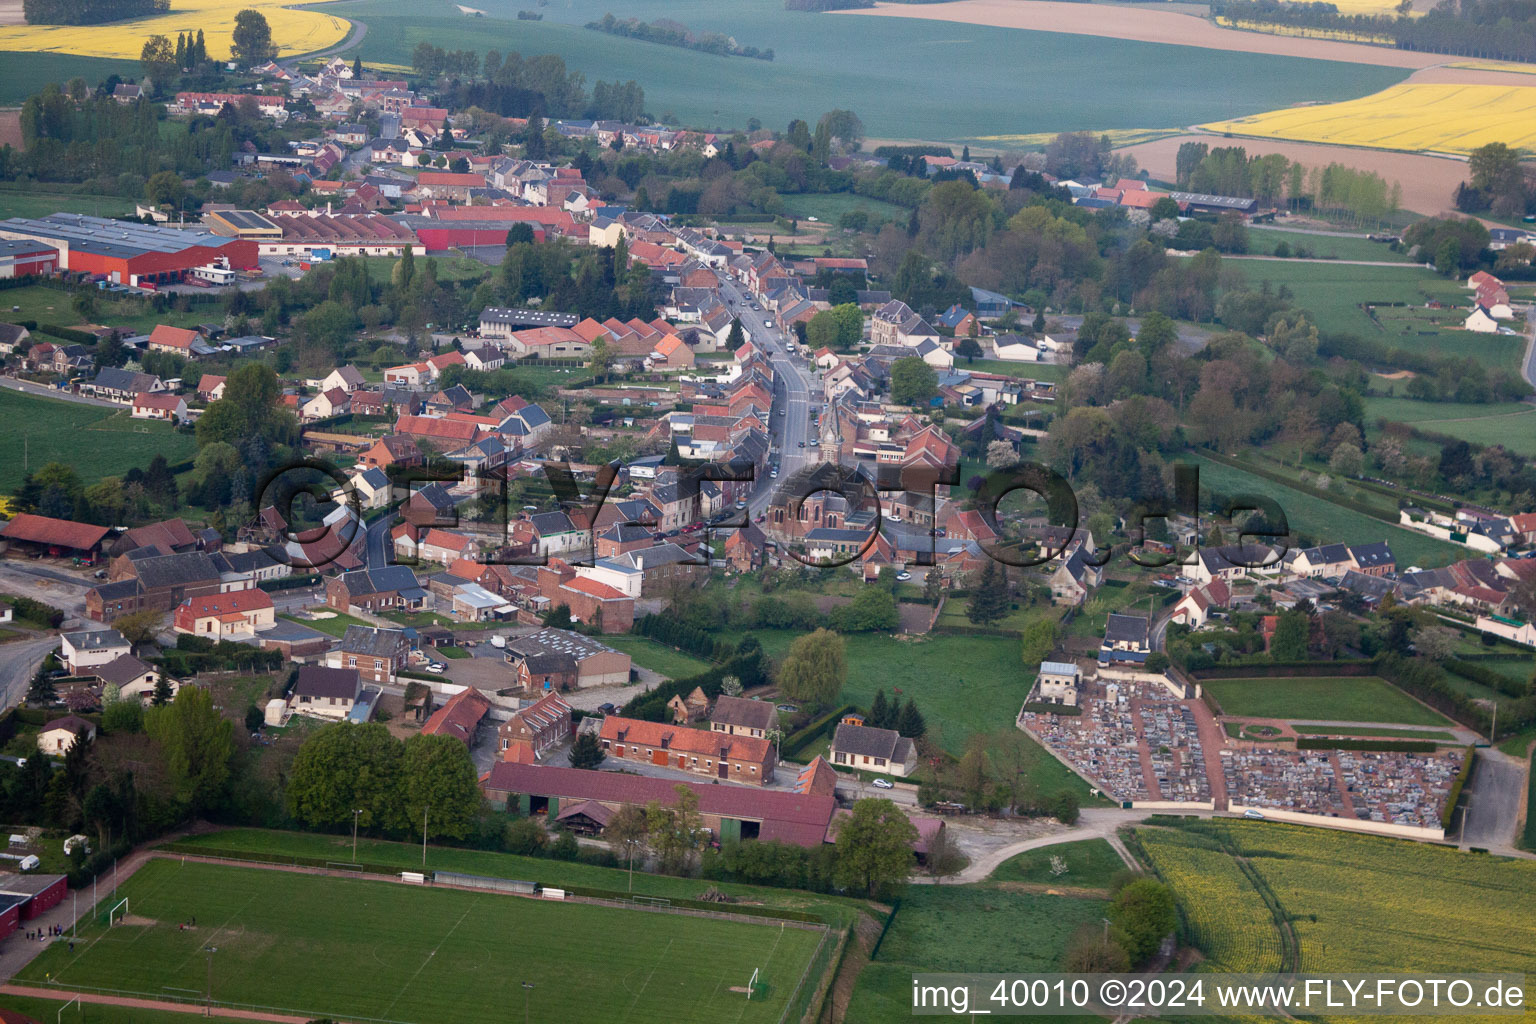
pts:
pixel 831 450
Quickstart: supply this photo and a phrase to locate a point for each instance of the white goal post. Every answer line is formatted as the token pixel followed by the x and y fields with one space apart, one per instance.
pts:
pixel 118 912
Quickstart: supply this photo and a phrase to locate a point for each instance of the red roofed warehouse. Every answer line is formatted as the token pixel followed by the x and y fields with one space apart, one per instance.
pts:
pixel 54 537
pixel 730 812
pixel 131 254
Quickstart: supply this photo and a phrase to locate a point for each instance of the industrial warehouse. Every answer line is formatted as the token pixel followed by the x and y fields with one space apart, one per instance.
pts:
pixel 122 252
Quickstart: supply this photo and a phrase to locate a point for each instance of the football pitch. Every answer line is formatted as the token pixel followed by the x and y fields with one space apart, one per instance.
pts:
pixel 374 950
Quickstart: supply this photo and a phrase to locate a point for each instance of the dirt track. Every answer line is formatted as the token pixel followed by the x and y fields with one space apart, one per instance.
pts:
pixel 1428 181
pixel 1148 26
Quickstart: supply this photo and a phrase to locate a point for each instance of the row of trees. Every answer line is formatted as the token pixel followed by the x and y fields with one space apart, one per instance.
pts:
pixel 1273 178
pixel 1498 29
pixel 671 33
pixel 512 85
pixel 1499 182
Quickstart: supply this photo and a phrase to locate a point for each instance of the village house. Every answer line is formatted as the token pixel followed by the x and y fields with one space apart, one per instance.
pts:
pixel 558 659
pixel 375 653
pixel 685 710
pixel 151 406
pixel 91 648
pixel 740 716
pixel 223 616
pixel 325 692
pixel 717 755
pixel 460 717
pixel 59 735
pixel 869 749
pixel 544 726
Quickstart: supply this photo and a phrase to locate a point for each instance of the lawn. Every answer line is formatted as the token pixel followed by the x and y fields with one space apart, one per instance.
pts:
pixel 1333 295
pixel 1511 424
pixel 53 306
pixel 334 625
pixel 16 202
pixel 1091 864
pixel 963 685
pixel 409 954
pixel 1323 522
pixel 1325 699
pixel 1360 904
pixel 866 65
pixel 1262 241
pixel 93 1013
pixel 95 440
pixel 828 207
pixel 647 653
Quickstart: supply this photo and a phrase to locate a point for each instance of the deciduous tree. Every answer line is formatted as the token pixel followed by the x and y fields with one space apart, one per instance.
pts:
pixel 874 848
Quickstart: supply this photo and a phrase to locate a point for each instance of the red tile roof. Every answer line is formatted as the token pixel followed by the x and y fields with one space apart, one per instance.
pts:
pixel 635 731
pixel 60 533
pixel 459 717
pixel 593 588
pixel 797 818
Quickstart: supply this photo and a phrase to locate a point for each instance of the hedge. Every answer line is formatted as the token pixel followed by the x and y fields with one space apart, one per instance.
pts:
pixel 1400 746
pixel 35 611
pixel 1456 787
pixel 1045 708
pixel 977 631
pixel 1487 677
pixel 68 334
pixel 1302 669
pixel 797 741
pixel 290 582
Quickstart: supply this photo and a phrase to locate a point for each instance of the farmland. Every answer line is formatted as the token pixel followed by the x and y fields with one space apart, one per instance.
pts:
pixel 865 64
pixel 95 440
pixel 1335 299
pixel 1361 903
pixel 1511 424
pixel 16 202
pixel 53 306
pixel 1439 117
pixel 1338 699
pixel 22 73
pixel 293 31
pixel 418 954
pixel 829 207
pixel 1326 523
pixel 1223 912
pixel 1322 246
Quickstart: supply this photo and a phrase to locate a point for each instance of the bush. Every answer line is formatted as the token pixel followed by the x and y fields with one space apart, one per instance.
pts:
pixel 527 837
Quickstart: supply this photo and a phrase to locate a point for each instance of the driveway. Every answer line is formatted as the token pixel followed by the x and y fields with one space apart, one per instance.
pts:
pixel 1493 802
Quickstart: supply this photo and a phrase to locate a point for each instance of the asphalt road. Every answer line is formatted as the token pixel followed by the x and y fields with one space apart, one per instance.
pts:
pixel 1493 802
pixel 793 393
pixel 18 663
pixel 1528 370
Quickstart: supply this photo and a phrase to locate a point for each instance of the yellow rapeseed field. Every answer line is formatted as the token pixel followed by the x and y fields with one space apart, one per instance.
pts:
pixel 292 31
pixel 1445 118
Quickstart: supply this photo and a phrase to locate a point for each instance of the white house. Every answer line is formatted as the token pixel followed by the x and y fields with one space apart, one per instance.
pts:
pixel 348 378
pixel 1016 348
pixel 326 404
pixel 326 692
pixel 148 406
pixel 1481 320
pixel 60 734
pixel 873 750
pixel 90 648
pixel 1058 682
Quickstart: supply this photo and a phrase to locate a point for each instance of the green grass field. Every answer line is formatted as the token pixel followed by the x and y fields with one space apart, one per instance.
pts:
pixel 1326 523
pixel 335 624
pixel 866 65
pixel 1511 424
pixel 1336 699
pixel 1091 864
pixel 1357 903
pixel 658 657
pixel 343 947
pixel 51 306
pixel 92 1013
pixel 15 202
pixel 95 440
pixel 970 928
pixel 262 843
pixel 1262 242
pixel 962 684
pixel 1333 295
pixel 22 74
pixel 828 207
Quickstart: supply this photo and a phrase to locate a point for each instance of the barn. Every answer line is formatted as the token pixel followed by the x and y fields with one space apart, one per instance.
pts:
pixel 128 253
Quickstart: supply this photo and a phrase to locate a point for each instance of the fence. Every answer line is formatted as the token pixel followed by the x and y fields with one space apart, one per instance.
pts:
pixel 798 1006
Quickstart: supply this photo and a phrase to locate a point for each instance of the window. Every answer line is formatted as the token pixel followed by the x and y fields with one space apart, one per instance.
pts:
pixel 880 761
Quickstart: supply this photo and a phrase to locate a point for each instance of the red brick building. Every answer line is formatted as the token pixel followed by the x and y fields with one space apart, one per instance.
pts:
pixel 717 755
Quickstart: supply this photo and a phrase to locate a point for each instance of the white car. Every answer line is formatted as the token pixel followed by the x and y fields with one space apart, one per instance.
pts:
pixel 883 784
pixel 902 577
pixel 1251 813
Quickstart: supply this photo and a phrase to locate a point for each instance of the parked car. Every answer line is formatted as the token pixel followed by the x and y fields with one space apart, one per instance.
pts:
pixel 607 709
pixel 884 784
pixel 1251 813
pixel 498 641
pixel 436 666
pixel 902 577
